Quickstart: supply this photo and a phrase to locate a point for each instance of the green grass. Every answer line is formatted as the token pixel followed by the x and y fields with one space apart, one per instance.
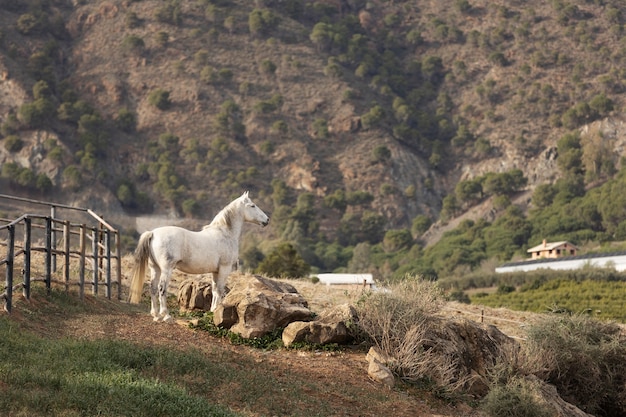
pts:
pixel 43 373
pixel 68 377
pixel 601 299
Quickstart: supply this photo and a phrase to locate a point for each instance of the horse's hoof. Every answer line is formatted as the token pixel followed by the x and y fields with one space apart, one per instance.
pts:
pixel 168 319
pixel 156 319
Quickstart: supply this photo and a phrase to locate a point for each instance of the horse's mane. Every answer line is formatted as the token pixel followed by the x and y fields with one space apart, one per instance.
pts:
pixel 224 217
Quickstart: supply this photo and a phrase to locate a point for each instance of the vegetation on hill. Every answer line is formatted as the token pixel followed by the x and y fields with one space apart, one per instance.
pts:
pixel 358 124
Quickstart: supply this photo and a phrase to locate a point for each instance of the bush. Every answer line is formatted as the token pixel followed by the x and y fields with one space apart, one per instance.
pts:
pixel 170 13
pixel 584 359
pixel 72 177
pixel 267 67
pixel 133 43
pixel 126 120
pixel 397 321
pixel 13 143
pixel 43 183
pixel 517 398
pixel 284 261
pixel 160 99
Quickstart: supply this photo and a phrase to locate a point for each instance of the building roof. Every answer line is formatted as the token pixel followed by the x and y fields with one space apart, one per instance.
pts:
pixel 338 279
pixel 550 246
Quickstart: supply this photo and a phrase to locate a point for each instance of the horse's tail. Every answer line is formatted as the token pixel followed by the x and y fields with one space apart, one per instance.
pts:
pixel 142 253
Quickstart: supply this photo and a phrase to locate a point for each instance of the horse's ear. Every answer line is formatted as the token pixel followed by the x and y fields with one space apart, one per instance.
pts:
pixel 245 194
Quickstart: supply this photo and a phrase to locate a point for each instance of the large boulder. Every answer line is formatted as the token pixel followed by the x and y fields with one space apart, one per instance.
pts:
pixel 331 326
pixel 195 295
pixel 256 306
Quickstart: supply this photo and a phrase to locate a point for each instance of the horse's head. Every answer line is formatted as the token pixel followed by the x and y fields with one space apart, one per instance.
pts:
pixel 252 213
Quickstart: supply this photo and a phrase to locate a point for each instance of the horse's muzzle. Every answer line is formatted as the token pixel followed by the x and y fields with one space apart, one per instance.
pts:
pixel 266 222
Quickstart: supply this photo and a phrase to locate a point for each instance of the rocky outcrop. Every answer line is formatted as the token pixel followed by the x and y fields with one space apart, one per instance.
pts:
pixel 255 306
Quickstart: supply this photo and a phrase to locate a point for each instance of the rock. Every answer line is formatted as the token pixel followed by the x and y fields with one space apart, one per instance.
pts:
pixel 255 306
pixel 194 295
pixel 376 369
pixel 332 326
pixel 551 397
pixel 472 349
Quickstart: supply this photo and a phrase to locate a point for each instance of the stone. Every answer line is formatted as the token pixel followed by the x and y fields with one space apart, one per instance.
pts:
pixel 256 306
pixel 473 348
pixel 377 370
pixel 194 295
pixel 331 326
pixel 551 397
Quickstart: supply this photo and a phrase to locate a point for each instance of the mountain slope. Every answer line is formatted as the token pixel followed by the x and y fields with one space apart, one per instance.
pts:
pixel 401 100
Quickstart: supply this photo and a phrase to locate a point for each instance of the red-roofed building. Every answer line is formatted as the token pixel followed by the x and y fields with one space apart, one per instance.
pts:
pixel 553 250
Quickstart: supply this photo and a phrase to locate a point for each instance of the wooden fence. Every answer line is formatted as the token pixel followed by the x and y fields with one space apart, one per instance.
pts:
pixel 89 255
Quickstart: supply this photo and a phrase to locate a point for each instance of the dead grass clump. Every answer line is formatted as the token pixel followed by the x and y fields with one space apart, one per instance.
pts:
pixel 585 359
pixel 398 320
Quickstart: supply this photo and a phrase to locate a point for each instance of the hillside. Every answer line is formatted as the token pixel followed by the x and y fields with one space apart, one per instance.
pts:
pixel 344 119
pixel 252 382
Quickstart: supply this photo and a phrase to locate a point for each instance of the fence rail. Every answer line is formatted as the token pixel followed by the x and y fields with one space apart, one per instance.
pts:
pixel 82 250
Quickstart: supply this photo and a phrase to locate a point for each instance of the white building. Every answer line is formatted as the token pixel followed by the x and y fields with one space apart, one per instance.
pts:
pixel 351 280
pixel 615 260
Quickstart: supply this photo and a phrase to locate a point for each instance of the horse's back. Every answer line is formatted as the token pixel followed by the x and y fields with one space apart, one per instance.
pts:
pixel 189 251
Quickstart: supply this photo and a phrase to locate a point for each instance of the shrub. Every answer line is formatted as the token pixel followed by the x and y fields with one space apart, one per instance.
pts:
pixel 160 99
pixel 190 207
pixel 13 143
pixel 36 113
pixel 267 148
pixel 373 117
pixel 267 67
pixel 29 24
pixel 516 398
pixel 585 359
pixel 133 43
pixel 43 183
pixel 381 153
pixel 261 21
pixel 72 177
pixel 320 128
pixel 397 321
pixel 284 261
pixel 126 120
pixel 170 13
pixel 280 126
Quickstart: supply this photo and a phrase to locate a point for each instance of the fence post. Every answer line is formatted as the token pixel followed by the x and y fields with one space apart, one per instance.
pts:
pixel 81 271
pixel 94 249
pixel 27 244
pixel 53 240
pixel 108 257
pixel 8 299
pixel 118 249
pixel 66 249
pixel 49 231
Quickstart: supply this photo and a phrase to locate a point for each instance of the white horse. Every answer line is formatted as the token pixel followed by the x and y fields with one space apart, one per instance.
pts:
pixel 213 249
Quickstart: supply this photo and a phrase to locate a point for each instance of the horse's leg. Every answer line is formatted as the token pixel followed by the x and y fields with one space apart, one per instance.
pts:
pixel 219 285
pixel 163 286
pixel 155 276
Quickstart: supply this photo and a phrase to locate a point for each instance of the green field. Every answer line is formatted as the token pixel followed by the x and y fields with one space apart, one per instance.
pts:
pixel 602 299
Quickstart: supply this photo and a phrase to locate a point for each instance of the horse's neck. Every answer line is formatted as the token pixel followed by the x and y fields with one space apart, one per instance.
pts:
pixel 233 228
pixel 236 227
